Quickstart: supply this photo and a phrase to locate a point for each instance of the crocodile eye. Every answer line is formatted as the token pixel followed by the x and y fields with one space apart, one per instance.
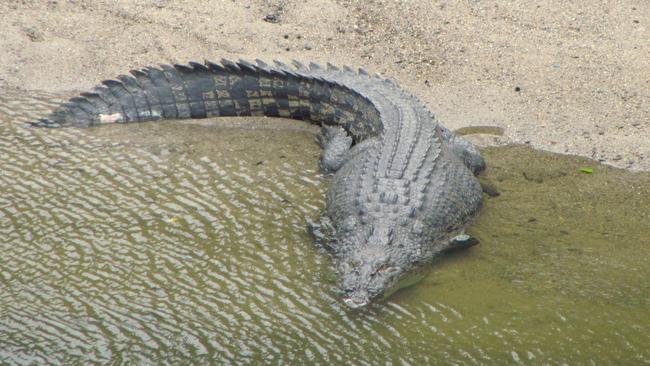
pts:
pixel 352 266
pixel 345 267
pixel 384 267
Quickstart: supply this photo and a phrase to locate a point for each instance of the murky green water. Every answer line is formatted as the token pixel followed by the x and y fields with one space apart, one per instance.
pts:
pixel 185 243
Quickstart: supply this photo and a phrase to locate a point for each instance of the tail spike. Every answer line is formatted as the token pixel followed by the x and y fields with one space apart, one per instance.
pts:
pixel 299 65
pixel 138 73
pixel 183 68
pixel 128 80
pixel 111 83
pixel 331 67
pixel 261 63
pixel 198 66
pixel 281 64
pixel 245 65
pixel 215 67
pixel 230 65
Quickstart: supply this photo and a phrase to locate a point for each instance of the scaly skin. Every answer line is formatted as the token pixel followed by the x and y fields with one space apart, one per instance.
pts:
pixel 403 188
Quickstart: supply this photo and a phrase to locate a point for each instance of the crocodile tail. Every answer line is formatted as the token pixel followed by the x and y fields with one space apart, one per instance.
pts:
pixel 194 90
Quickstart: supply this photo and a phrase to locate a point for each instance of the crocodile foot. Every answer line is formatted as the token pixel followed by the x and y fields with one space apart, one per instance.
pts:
pixel 461 242
pixel 323 232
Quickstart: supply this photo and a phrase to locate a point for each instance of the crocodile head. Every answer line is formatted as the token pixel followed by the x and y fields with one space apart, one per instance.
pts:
pixel 373 274
pixel 377 268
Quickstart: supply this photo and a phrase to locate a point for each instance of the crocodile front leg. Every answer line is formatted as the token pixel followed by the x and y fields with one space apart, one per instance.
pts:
pixel 323 232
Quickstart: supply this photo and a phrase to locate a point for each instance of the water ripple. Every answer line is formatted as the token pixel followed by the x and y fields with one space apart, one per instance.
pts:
pixel 176 243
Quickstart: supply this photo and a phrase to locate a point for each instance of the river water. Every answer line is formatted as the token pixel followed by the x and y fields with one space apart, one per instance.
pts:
pixel 185 243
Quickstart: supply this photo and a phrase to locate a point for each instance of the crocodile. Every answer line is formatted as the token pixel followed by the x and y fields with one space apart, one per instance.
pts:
pixel 403 187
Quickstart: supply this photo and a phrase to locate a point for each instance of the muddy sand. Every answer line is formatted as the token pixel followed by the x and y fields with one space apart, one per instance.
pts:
pixel 568 77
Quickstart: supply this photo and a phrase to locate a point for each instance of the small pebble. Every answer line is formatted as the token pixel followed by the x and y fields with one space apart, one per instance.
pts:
pixel 271 18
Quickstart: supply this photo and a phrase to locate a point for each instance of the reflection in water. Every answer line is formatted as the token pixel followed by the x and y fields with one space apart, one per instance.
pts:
pixel 185 242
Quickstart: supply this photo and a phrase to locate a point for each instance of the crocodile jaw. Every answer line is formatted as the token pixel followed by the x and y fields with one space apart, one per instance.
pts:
pixel 356 301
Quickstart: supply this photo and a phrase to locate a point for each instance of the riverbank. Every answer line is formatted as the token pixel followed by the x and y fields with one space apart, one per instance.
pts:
pixel 568 78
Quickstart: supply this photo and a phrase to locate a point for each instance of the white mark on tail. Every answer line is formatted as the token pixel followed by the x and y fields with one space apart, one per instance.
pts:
pixel 111 118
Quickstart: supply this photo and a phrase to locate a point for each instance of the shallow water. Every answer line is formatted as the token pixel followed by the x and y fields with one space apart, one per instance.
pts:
pixel 177 242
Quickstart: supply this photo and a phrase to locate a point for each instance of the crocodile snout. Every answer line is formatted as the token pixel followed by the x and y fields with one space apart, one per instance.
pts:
pixel 356 300
pixel 355 303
